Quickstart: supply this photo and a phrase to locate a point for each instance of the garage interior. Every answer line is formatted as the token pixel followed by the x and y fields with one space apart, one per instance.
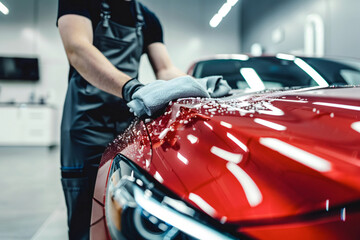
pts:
pixel 32 205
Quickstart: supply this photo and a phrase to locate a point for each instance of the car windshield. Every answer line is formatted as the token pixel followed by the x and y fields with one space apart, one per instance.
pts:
pixel 260 73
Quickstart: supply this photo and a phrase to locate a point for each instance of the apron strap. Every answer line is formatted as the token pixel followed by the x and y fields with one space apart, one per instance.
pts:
pixel 106 12
pixel 139 15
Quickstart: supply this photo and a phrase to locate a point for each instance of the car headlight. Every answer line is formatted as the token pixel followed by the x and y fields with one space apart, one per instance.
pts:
pixel 138 208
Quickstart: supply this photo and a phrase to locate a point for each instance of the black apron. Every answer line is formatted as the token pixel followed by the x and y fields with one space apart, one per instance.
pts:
pixel 92 118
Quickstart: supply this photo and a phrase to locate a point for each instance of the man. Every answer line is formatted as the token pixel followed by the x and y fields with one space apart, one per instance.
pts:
pixel 104 40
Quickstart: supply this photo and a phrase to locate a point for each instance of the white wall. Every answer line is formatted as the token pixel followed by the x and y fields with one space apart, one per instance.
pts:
pixel 30 30
pixel 260 19
pixel 188 35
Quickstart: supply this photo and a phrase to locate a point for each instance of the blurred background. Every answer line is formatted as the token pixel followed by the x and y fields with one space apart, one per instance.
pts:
pixel 31 201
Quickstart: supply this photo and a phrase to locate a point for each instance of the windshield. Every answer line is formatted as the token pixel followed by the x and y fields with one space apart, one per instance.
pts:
pixel 260 73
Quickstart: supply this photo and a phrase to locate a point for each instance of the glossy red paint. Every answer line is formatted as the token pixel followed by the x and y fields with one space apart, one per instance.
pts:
pixel 277 163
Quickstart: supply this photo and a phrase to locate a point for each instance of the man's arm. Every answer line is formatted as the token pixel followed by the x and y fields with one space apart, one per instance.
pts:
pixel 161 63
pixel 77 36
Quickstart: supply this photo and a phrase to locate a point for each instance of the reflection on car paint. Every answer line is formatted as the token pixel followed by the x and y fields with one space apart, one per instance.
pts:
pixel 356 126
pixel 335 105
pixel 182 158
pixel 343 214
pixel 269 124
pixel 297 154
pixel 238 142
pixel 192 138
pixel 225 124
pixel 202 204
pixel 252 191
pixel 298 162
pixel 228 156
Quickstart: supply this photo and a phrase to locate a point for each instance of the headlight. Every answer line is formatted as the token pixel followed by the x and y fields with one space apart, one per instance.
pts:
pixel 136 208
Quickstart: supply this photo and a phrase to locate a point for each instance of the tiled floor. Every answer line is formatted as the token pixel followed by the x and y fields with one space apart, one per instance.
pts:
pixel 31 200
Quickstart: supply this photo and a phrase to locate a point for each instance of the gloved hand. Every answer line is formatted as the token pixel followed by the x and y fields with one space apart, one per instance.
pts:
pixel 215 86
pixel 150 99
pixel 130 88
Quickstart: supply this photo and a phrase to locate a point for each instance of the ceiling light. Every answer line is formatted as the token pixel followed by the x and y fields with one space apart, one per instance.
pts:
pixel 4 9
pixel 223 11
pixel 215 21
pixel 232 2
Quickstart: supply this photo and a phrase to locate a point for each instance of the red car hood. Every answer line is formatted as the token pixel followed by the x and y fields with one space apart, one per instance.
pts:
pixel 261 156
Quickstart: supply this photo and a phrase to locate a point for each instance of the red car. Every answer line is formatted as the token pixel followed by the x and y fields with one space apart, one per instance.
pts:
pixel 273 164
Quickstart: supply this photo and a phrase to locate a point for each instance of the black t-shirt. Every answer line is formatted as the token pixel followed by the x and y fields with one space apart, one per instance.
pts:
pixel 122 12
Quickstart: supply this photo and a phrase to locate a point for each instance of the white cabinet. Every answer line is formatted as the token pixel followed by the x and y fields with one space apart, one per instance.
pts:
pixel 27 125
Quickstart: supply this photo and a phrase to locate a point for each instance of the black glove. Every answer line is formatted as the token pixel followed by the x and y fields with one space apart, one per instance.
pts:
pixel 130 88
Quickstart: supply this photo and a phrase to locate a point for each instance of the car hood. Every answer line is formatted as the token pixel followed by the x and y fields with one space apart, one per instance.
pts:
pixel 267 155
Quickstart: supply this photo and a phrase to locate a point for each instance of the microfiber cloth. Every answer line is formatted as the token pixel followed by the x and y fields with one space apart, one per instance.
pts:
pixel 155 96
pixel 215 85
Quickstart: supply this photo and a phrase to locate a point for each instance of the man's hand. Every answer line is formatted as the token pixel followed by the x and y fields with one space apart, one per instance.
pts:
pixel 130 88
pixel 148 100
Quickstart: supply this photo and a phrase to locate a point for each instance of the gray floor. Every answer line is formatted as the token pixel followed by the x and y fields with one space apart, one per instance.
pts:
pixel 31 200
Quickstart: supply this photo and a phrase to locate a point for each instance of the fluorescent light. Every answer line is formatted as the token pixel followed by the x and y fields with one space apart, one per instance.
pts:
pixel 343 214
pixel 241 57
pixel 270 124
pixel 349 107
pixel 271 110
pixel 192 139
pixel 158 177
pixel 225 124
pixel 252 192
pixel 215 21
pixel 327 204
pixel 311 72
pixel 223 11
pixel 238 142
pixel 183 159
pixel 288 100
pixel 4 9
pixel 228 156
pixel 297 154
pixel 252 78
pixel 232 2
pixel 356 126
pixel 283 56
pixel 163 133
pixel 202 204
pixel 208 125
